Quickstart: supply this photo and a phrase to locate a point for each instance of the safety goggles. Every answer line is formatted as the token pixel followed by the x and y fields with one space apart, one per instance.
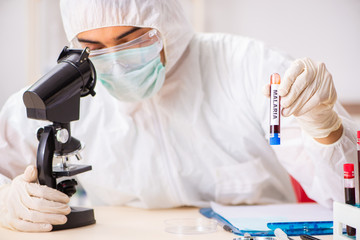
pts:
pixel 145 40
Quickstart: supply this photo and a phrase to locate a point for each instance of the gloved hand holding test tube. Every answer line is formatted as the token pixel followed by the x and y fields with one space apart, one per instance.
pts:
pixel 307 92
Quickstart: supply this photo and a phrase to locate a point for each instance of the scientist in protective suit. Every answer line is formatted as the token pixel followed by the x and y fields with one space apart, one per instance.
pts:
pixel 179 119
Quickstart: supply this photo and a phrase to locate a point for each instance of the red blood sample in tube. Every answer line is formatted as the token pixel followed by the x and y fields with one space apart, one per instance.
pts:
pixel 349 186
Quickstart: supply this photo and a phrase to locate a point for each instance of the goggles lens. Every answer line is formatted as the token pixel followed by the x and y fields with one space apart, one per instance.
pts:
pixel 145 40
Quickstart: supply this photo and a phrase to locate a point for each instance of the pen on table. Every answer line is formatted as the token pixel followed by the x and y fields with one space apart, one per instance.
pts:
pixel 226 227
pixel 255 238
pixel 308 237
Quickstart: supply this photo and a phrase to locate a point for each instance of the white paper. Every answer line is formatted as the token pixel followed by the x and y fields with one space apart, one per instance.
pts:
pixel 257 217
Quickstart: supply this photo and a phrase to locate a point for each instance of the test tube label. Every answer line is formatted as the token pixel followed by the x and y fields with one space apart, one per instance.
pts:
pixel 274 107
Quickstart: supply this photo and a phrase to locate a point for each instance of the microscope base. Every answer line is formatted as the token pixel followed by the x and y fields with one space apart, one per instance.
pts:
pixel 78 217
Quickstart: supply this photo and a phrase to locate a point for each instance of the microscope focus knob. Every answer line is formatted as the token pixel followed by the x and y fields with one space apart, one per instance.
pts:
pixel 67 187
pixel 62 135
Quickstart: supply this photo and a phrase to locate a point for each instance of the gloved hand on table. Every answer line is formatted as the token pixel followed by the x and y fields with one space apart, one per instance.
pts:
pixel 28 206
pixel 307 91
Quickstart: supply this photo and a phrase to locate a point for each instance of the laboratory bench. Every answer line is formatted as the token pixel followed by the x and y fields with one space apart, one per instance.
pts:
pixel 128 223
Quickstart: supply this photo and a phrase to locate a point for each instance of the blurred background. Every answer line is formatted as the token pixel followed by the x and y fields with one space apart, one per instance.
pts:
pixel 32 36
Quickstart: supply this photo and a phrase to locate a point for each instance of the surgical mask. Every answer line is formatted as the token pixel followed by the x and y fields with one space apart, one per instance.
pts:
pixel 131 74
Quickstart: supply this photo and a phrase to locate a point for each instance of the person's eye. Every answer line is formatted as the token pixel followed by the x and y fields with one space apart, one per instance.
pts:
pixel 122 41
pixel 95 47
pixel 92 46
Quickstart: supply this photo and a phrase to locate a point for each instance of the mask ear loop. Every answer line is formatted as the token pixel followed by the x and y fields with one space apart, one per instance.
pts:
pixel 163 44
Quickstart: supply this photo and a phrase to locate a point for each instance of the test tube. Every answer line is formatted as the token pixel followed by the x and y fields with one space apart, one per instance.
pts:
pixel 358 155
pixel 349 186
pixel 274 109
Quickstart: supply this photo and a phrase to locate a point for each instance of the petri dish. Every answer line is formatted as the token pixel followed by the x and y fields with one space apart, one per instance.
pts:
pixel 188 226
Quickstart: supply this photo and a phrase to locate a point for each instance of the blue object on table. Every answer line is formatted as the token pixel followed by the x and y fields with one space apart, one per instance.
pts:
pixel 311 226
pixel 290 228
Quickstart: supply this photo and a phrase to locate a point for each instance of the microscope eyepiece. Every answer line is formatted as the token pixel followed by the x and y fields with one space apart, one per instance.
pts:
pixel 56 96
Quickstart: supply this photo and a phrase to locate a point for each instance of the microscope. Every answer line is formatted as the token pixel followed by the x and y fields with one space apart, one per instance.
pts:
pixel 56 98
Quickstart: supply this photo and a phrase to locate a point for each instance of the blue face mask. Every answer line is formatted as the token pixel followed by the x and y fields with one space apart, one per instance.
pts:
pixel 132 74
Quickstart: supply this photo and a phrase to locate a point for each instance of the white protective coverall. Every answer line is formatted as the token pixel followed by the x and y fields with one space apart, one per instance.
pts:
pixel 201 138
